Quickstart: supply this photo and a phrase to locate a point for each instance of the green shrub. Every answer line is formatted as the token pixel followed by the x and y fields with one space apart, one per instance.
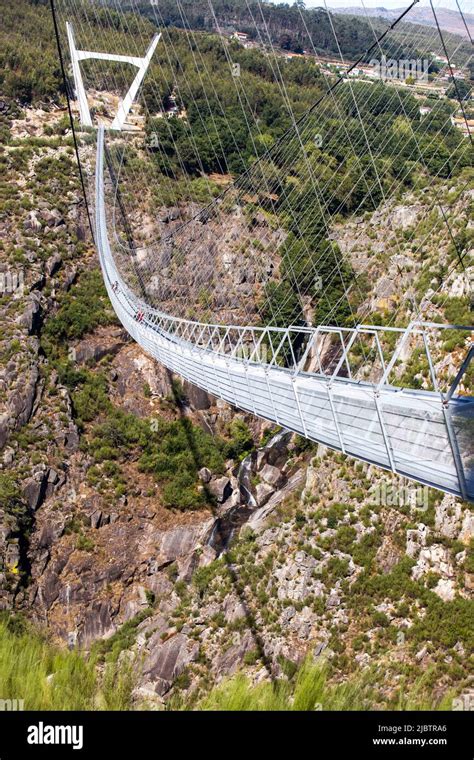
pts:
pixel 81 310
pixel 241 442
pixel 10 495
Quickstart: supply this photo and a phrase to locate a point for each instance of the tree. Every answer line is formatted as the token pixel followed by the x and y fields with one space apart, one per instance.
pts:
pixel 282 306
pixel 285 42
pixel 459 89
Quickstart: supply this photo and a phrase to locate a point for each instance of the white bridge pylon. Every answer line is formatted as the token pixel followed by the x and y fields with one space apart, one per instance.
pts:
pixel 124 106
pixel 426 436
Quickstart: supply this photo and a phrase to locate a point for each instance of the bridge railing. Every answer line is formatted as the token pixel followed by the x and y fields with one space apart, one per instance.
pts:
pixel 367 353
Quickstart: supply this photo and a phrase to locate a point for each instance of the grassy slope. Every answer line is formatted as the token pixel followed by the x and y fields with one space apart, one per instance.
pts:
pixel 49 678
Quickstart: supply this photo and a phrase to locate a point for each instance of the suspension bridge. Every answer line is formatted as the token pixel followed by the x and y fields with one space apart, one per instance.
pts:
pixel 286 374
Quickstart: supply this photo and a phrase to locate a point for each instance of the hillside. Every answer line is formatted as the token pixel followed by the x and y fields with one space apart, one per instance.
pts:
pixel 448 19
pixel 293 28
pixel 169 541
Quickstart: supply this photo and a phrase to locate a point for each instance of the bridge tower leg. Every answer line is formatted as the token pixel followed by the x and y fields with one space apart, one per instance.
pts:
pixel 78 82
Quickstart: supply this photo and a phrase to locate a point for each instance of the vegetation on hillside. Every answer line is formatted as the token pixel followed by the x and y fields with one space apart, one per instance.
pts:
pixel 82 310
pixel 172 451
pixel 29 65
pixel 290 26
